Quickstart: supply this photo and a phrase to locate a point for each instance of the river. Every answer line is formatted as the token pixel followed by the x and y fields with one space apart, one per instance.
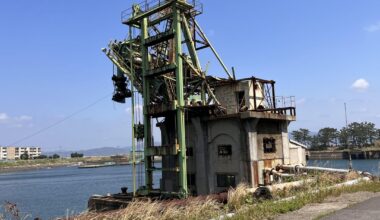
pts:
pixel 48 193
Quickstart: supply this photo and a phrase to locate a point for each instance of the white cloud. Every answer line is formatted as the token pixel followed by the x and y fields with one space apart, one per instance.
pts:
pixel 360 84
pixel 373 27
pixel 24 118
pixel 3 117
pixel 15 121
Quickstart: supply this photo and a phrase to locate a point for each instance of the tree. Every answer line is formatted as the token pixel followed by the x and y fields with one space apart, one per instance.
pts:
pixel 41 157
pixel 328 136
pixel 76 155
pixel 344 137
pixel 314 143
pixel 54 156
pixel 24 156
pixel 302 135
pixel 369 127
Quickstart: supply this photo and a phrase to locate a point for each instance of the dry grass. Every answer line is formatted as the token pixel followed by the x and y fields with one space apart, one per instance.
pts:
pixel 149 210
pixel 237 197
pixel 239 201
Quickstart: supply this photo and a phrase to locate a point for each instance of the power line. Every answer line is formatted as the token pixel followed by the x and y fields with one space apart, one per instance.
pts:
pixel 61 121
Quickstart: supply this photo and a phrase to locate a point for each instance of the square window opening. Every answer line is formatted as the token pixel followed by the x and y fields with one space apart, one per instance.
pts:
pixel 224 150
pixel 269 145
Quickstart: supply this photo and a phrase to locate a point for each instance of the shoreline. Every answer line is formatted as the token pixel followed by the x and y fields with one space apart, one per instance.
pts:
pixel 344 155
pixel 13 169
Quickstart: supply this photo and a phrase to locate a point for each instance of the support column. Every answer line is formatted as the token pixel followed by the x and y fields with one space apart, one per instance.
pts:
pixel 146 95
pixel 131 57
pixel 180 102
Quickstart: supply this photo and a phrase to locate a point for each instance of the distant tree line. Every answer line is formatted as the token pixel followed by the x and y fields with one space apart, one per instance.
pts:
pixel 76 155
pixel 25 156
pixel 355 135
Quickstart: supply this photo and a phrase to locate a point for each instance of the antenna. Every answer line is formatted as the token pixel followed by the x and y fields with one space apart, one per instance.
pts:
pixel 349 152
pixel 345 113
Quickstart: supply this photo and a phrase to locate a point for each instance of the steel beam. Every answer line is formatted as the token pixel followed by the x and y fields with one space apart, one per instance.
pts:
pixel 146 95
pixel 180 102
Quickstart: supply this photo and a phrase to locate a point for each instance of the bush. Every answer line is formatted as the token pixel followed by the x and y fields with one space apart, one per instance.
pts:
pixel 24 156
pixel 76 155
pixel 41 157
pixel 54 156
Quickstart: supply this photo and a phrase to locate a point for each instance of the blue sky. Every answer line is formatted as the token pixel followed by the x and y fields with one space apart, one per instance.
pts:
pixel 324 52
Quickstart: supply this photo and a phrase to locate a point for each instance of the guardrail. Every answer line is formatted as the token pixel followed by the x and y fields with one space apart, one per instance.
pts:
pixel 147 5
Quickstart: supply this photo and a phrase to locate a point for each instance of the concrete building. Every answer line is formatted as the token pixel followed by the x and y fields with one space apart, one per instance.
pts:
pixel 297 152
pixel 14 153
pixel 250 136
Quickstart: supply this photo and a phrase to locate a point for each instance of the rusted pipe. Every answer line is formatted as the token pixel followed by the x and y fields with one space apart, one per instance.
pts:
pixel 300 168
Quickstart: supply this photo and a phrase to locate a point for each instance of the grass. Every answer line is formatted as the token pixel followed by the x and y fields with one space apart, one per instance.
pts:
pixel 240 202
pixel 270 208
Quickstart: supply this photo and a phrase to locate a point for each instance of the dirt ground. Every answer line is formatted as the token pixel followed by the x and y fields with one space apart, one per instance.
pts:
pixel 317 210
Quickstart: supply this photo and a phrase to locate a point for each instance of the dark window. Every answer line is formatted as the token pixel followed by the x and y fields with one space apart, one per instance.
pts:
pixel 189 152
pixel 241 101
pixel 191 179
pixel 224 150
pixel 269 145
pixel 225 180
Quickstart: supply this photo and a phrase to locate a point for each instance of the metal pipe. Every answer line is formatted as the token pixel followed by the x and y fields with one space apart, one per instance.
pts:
pixel 300 168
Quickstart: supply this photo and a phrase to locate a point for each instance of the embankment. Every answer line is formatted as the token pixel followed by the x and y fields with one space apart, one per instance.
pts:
pixel 343 155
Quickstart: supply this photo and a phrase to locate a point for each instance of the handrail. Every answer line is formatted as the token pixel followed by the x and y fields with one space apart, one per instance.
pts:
pixel 149 5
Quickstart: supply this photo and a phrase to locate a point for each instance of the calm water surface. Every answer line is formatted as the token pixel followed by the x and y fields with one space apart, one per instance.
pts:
pixel 372 166
pixel 49 193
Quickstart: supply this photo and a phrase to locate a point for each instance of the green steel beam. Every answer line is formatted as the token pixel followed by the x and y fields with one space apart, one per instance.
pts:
pixel 180 102
pixel 133 115
pixel 144 15
pixel 146 96
pixel 213 50
pixel 190 43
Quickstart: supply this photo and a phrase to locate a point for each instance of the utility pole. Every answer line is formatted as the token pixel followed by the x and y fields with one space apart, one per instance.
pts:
pixel 349 150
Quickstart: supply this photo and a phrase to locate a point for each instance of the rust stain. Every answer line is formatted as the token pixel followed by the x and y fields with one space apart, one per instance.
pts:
pixel 255 168
pixel 268 163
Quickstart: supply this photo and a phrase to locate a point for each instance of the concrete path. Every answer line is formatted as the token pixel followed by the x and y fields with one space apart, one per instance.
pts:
pixel 331 207
pixel 367 210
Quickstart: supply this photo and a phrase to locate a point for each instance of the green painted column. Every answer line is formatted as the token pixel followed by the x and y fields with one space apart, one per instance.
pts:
pixel 133 113
pixel 180 111
pixel 146 95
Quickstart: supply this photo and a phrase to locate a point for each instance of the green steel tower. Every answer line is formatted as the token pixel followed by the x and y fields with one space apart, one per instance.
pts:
pixel 160 61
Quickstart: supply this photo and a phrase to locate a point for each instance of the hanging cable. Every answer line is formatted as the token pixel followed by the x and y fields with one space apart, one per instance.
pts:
pixel 61 121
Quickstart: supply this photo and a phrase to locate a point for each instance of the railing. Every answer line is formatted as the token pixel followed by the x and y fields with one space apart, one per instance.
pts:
pixel 149 5
pixel 281 111
pixel 284 102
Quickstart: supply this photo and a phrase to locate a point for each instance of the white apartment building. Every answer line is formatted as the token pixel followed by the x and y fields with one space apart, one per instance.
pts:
pixel 14 153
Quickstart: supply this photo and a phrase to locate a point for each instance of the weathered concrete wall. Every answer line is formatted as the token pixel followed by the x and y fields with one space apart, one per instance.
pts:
pixel 297 155
pixel 226 132
pixel 227 95
pixel 246 162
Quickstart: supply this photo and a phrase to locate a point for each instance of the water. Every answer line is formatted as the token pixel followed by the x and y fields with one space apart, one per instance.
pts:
pixel 372 166
pixel 49 193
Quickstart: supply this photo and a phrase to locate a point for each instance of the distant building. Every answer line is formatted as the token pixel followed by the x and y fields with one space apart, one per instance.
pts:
pixel 14 153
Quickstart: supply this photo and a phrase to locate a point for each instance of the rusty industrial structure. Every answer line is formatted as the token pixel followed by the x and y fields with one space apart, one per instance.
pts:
pixel 215 132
